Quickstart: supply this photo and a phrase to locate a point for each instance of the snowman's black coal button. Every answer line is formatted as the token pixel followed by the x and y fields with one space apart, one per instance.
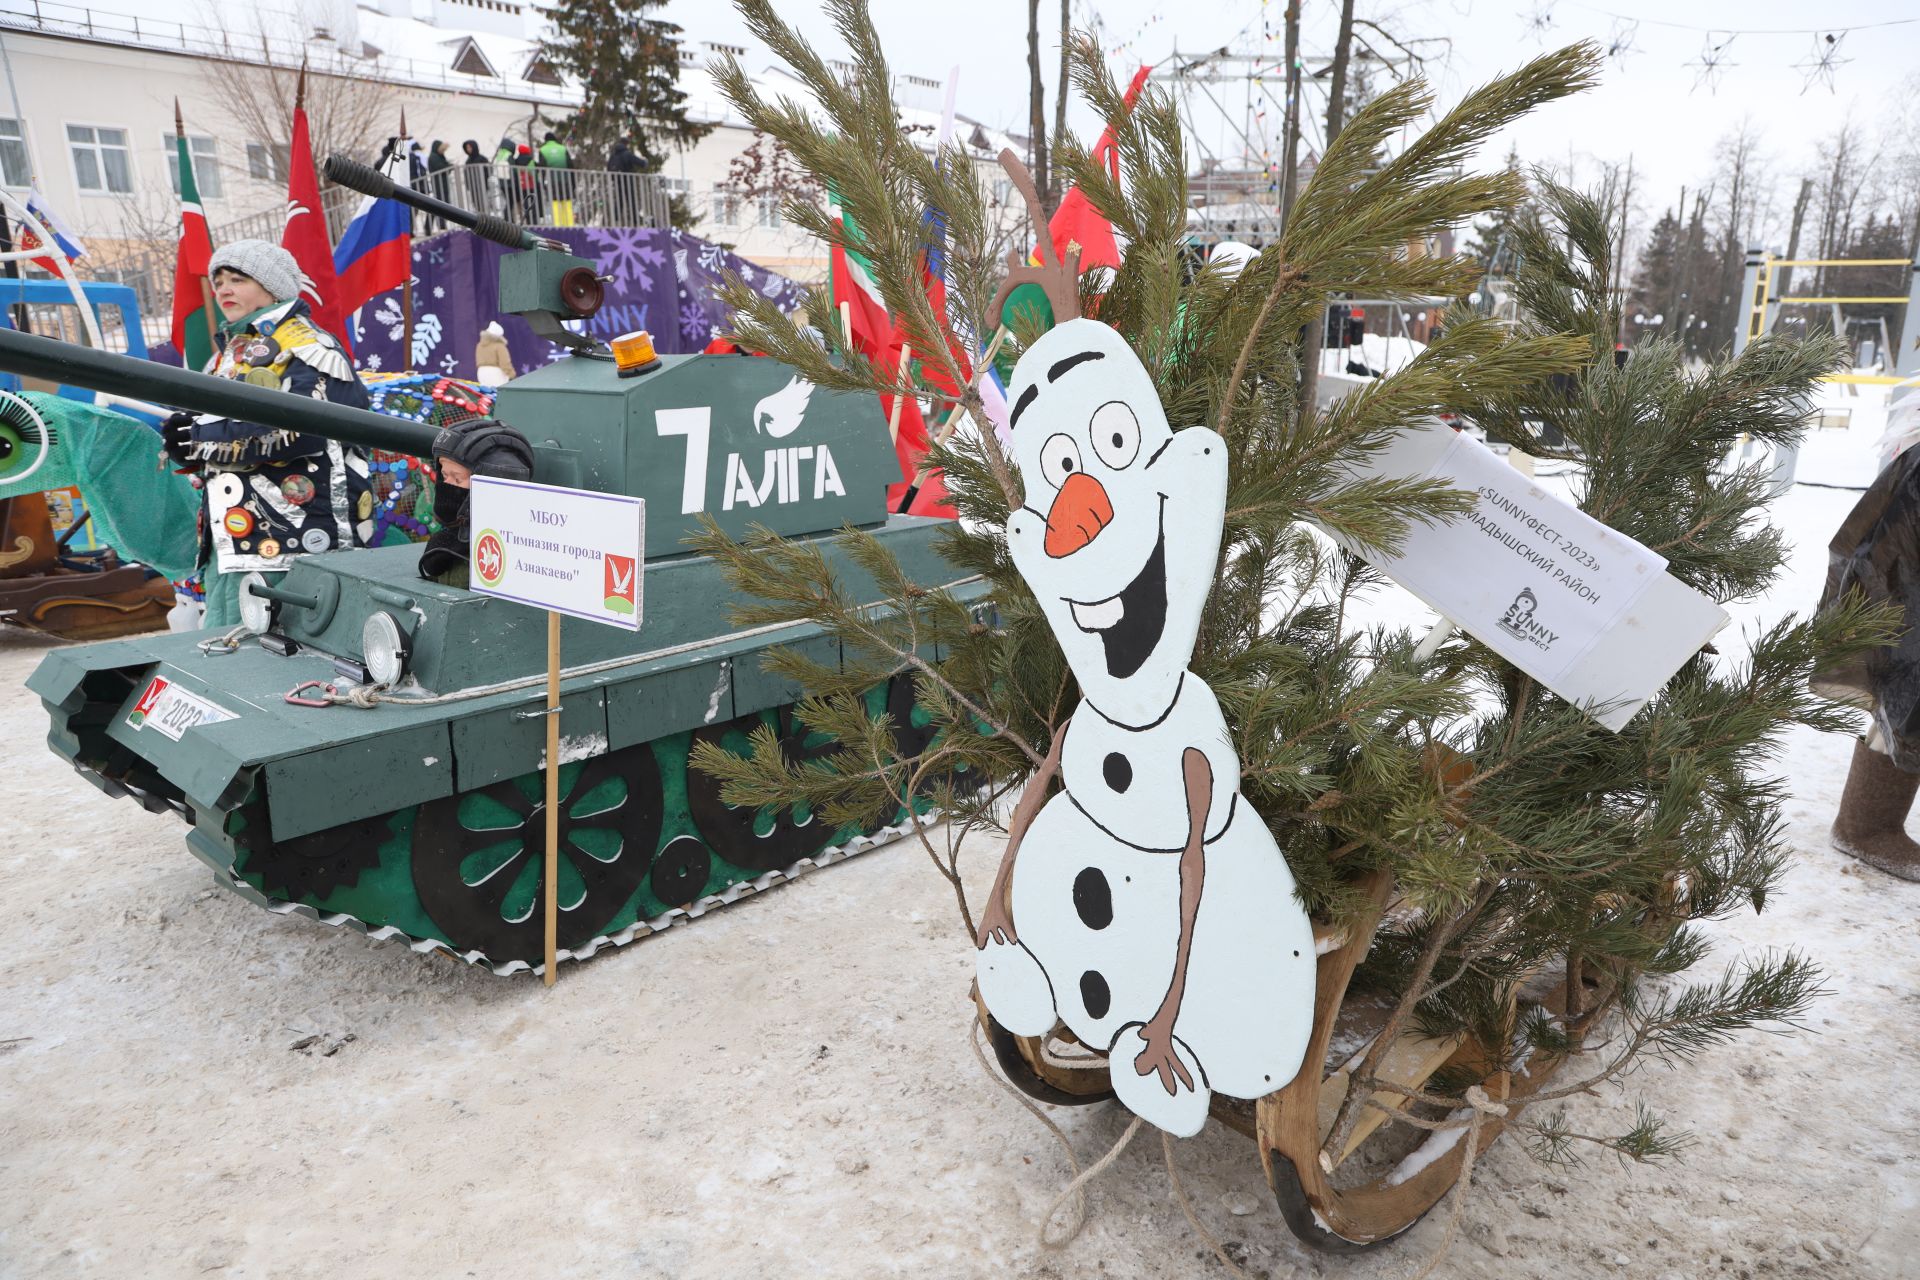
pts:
pixel 1117 770
pixel 1094 994
pixel 1093 898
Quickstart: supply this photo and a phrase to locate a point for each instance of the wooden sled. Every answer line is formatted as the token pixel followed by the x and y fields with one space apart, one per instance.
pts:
pixel 41 592
pixel 1372 1202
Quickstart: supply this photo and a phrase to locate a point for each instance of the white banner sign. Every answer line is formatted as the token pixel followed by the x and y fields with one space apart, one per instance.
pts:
pixel 573 551
pixel 1585 610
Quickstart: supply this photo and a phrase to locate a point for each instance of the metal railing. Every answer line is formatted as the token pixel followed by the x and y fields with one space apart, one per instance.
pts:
pixel 325 57
pixel 525 195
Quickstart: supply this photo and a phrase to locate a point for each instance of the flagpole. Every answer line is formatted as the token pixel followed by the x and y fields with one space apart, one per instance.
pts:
pixel 952 424
pixel 902 372
pixel 206 286
pixel 406 279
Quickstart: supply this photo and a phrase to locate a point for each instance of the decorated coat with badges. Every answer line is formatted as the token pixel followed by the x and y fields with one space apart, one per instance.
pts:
pixel 273 494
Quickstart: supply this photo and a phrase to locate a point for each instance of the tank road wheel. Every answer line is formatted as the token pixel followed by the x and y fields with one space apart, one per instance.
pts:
pixel 1349 1216
pixel 912 740
pixel 310 866
pixel 478 858
pixel 732 831
pixel 1026 1068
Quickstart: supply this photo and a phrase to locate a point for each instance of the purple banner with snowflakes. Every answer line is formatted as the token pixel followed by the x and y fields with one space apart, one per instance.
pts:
pixel 665 282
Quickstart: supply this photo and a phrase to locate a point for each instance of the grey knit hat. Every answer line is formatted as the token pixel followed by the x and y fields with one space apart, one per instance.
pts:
pixel 272 267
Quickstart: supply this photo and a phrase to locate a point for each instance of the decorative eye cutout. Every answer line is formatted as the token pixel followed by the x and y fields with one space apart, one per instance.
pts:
pixel 1116 434
pixel 26 441
pixel 1059 458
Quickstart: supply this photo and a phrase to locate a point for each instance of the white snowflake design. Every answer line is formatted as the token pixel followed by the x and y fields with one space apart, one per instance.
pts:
pixel 426 336
pixel 439 291
pixel 372 361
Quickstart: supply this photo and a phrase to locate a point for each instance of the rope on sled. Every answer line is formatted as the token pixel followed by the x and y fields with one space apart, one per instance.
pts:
pixel 1482 1106
pixel 1076 1190
pixel 1193 1219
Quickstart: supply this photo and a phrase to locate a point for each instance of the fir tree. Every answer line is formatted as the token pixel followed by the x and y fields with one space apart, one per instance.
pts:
pixel 1525 841
pixel 1653 285
pixel 628 66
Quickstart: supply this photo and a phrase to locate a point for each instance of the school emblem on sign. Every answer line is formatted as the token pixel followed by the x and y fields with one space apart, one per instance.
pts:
pixel 144 708
pixel 619 578
pixel 489 558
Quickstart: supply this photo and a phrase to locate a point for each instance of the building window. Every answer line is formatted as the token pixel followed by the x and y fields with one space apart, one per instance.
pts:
pixel 726 207
pixel 266 162
pixel 14 169
pixel 102 161
pixel 206 166
pixel 769 210
pixel 672 187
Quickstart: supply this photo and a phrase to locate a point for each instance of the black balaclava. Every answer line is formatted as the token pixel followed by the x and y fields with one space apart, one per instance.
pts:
pixel 486 448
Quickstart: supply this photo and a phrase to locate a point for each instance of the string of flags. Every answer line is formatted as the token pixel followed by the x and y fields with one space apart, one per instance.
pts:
pixel 1818 68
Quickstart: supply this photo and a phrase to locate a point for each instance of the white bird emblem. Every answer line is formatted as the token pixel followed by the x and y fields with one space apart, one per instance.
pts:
pixel 779 414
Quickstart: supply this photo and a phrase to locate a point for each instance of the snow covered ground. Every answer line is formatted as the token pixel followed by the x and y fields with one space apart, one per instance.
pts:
pixel 783 1089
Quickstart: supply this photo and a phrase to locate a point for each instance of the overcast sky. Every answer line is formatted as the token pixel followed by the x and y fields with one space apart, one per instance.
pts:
pixel 1657 103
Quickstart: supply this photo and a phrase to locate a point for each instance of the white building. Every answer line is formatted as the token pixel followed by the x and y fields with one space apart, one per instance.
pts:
pixel 87 112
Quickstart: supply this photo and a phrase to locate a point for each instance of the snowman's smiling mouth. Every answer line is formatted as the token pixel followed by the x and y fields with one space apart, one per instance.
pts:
pixel 1129 624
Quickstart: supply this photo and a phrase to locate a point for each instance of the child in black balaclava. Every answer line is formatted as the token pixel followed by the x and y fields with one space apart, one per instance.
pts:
pixel 482 447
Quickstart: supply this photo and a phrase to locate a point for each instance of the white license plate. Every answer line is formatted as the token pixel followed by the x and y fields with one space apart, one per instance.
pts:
pixel 170 710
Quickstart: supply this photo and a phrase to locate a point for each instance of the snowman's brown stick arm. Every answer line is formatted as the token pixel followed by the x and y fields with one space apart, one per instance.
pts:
pixel 1198 775
pixel 1025 810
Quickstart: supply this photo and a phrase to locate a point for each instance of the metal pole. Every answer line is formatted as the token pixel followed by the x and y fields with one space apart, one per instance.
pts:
pixel 1754 322
pixel 1904 358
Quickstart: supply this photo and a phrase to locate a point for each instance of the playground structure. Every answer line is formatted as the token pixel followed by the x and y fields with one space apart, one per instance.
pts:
pixel 1842 444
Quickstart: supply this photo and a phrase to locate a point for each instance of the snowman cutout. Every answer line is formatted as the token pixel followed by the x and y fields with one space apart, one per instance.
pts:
pixel 1145 905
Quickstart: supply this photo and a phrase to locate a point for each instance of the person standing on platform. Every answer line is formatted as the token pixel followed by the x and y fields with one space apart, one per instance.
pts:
pixel 473 177
pixel 529 198
pixel 438 162
pixel 557 178
pixel 624 164
pixel 502 162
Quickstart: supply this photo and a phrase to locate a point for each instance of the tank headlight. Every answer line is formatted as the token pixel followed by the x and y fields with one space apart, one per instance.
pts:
pixel 384 646
pixel 256 612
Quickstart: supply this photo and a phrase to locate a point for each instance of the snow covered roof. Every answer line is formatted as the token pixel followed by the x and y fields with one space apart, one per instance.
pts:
pixel 463 46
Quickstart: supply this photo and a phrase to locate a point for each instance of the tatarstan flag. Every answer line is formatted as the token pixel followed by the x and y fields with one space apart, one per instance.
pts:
pixel 193 317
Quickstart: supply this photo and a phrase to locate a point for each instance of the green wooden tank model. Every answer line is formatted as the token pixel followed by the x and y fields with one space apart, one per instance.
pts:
pixel 418 815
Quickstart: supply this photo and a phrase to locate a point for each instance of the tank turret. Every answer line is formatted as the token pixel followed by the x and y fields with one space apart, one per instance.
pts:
pixel 411 809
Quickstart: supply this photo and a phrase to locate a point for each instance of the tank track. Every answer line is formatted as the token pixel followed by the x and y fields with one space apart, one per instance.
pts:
pixel 619 938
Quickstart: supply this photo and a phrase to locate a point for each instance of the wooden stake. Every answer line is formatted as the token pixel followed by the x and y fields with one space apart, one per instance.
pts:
pixel 905 367
pixel 846 323
pixel 553 796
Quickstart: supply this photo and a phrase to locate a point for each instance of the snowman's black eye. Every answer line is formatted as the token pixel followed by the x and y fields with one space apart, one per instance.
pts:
pixel 1059 458
pixel 1116 434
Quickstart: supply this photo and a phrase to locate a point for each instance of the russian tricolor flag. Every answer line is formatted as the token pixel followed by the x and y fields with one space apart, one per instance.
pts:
pixel 375 252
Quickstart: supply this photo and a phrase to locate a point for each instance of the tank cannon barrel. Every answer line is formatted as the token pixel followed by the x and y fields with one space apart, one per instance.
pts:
pixel 32 356
pixel 369 181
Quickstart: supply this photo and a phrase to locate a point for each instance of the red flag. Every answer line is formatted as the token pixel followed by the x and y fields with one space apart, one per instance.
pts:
pixel 306 236
pixel 1076 224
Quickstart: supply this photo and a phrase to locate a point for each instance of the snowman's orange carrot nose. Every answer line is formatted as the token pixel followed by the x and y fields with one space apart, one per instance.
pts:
pixel 1080 511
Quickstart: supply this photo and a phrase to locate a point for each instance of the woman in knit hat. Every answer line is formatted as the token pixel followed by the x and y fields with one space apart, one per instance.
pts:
pixel 270 494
